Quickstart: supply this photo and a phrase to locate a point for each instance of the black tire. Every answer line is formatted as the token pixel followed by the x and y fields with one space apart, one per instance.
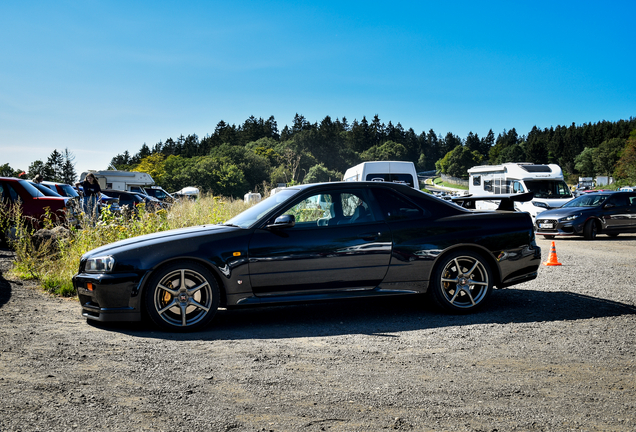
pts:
pixel 590 230
pixel 462 282
pixel 182 296
pixel 549 237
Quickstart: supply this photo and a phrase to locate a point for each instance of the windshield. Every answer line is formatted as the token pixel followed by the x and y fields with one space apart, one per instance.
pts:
pixel 254 213
pixel 587 200
pixel 551 189
pixel 157 193
pixel 69 191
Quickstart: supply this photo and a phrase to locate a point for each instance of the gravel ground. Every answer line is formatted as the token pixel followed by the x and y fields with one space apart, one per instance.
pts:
pixel 554 354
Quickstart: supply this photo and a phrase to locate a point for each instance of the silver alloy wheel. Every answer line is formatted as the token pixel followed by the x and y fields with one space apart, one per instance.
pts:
pixel 464 282
pixel 183 298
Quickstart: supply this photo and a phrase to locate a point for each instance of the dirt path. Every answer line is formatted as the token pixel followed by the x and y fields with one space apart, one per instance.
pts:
pixel 555 354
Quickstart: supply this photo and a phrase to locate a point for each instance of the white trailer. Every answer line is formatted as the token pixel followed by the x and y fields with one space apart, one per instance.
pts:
pixel 545 181
pixel 390 171
pixel 121 180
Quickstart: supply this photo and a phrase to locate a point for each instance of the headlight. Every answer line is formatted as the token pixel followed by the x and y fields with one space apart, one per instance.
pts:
pixel 102 264
pixel 539 204
pixel 569 218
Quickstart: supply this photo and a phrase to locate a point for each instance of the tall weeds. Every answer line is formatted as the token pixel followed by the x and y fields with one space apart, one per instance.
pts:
pixel 54 265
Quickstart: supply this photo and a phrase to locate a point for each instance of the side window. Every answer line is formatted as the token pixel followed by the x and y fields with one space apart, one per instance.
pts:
pixel 476 180
pixel 8 193
pixel 316 210
pixel 620 201
pixel 395 207
pixel 488 185
pixel 355 208
pixel 330 209
pixel 517 187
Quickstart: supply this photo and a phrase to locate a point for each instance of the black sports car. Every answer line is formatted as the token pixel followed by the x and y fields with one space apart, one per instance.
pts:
pixel 590 214
pixel 312 242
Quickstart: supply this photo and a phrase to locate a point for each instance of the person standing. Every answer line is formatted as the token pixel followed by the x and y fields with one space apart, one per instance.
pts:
pixel 92 193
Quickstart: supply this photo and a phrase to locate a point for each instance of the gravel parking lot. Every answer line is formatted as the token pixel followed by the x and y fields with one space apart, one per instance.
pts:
pixel 554 354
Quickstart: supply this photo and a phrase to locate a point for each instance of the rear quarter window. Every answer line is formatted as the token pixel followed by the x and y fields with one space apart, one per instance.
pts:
pixel 396 207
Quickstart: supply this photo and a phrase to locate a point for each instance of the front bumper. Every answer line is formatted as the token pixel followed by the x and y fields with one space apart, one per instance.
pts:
pixel 552 227
pixel 109 297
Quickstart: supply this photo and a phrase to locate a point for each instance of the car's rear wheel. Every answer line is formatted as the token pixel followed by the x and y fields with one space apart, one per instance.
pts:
pixel 590 230
pixel 461 282
pixel 182 296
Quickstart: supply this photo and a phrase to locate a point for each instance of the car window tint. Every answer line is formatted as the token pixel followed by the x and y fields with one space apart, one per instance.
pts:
pixel 396 207
pixel 11 193
pixel 619 200
pixel 355 208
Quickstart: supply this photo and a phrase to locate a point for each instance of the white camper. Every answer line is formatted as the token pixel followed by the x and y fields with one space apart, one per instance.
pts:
pixel 121 180
pixel 390 171
pixel 545 181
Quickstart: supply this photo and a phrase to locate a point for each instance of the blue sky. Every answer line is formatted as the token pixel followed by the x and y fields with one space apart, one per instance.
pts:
pixel 102 77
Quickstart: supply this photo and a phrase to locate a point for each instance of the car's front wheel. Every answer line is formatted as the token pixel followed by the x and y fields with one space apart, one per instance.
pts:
pixel 590 230
pixel 182 296
pixel 462 282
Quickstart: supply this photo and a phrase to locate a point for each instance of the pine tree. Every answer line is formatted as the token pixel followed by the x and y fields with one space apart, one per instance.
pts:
pixel 54 167
pixel 68 168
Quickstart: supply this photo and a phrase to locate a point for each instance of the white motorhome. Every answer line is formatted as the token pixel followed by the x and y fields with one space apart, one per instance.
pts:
pixel 121 180
pixel 390 171
pixel 545 181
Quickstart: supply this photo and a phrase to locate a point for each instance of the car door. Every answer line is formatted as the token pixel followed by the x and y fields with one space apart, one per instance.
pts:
pixel 617 214
pixel 631 212
pixel 337 243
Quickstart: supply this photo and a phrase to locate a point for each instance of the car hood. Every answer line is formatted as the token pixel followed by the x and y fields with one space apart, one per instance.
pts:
pixel 175 234
pixel 561 212
pixel 554 203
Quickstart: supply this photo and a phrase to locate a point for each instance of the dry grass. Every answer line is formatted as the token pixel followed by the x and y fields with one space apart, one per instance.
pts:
pixel 55 264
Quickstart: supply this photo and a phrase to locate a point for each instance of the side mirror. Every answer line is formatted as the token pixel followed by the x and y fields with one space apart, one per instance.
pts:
pixel 283 221
pixel 609 205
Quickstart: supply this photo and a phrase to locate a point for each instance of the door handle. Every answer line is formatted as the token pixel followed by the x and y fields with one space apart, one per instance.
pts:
pixel 370 236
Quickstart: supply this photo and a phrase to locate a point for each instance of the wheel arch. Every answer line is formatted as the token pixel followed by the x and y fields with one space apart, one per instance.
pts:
pixel 208 265
pixel 480 250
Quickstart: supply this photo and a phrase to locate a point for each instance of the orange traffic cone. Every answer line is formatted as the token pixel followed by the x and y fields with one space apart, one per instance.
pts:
pixel 552 258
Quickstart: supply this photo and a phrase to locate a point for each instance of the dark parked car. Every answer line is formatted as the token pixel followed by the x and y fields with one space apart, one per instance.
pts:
pixel 160 194
pixel 132 199
pixel 606 212
pixel 312 242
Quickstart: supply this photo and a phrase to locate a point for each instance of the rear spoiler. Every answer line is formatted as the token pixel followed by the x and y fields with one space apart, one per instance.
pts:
pixel 506 201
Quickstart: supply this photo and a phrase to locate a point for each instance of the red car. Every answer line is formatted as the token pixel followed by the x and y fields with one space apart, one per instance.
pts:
pixel 33 202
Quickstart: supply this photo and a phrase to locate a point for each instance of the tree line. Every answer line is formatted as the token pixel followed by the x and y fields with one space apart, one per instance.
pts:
pixel 59 168
pixel 256 155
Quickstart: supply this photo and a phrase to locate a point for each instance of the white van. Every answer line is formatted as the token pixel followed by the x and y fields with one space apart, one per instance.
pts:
pixel 545 181
pixel 132 181
pixel 389 171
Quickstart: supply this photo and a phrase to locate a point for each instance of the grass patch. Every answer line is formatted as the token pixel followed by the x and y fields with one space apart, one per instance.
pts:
pixel 54 263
